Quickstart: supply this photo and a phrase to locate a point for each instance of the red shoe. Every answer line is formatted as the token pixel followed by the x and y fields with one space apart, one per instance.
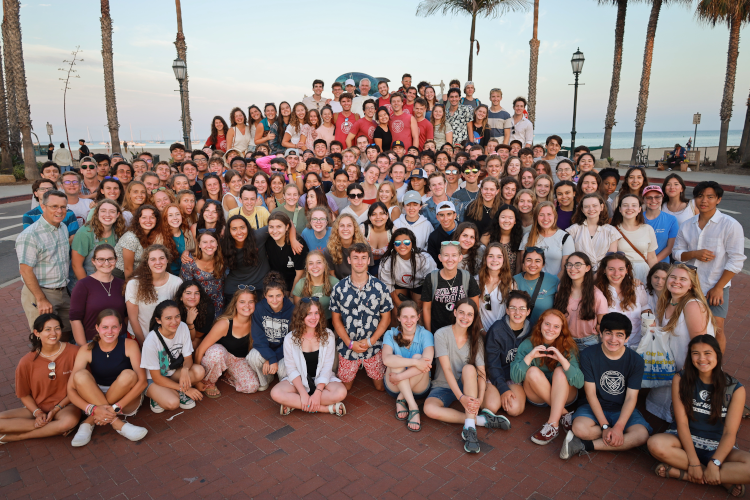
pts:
pixel 546 434
pixel 566 421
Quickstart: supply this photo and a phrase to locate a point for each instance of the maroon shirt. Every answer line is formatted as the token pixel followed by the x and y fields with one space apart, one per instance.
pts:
pixel 89 298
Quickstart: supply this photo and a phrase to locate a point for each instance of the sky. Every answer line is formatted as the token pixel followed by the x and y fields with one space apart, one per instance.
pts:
pixel 232 62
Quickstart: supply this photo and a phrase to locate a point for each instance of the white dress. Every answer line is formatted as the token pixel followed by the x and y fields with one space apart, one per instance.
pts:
pixel 633 314
pixel 659 400
pixel 236 198
pixel 241 141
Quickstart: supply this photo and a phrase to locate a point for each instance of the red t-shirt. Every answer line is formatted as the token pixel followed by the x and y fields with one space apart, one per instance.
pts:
pixel 363 126
pixel 344 125
pixel 409 108
pixel 426 131
pixel 384 102
pixel 219 145
pixel 400 127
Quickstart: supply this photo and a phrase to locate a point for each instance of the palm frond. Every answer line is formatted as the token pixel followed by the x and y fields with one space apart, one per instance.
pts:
pixel 712 12
pixel 484 8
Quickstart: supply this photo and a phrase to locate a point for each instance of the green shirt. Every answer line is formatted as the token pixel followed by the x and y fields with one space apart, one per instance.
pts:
pixel 325 300
pixel 300 224
pixel 84 243
pixel 518 367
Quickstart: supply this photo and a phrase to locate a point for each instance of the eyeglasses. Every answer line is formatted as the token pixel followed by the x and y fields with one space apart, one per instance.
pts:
pixel 520 309
pixel 207 230
pixel 278 169
pixel 689 266
pixel 318 219
pixel 71 183
pixel 577 265
pixel 307 300
pixel 454 243
pixel 538 250
pixel 356 195
pixel 154 191
pixel 471 171
pixel 88 167
pixel 250 288
pixel 451 171
pixel 111 177
pixel 51 367
pixel 108 260
pixel 398 243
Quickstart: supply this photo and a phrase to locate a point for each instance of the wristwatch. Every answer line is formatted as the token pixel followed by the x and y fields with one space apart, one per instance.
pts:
pixel 716 462
pixel 605 427
pixel 117 408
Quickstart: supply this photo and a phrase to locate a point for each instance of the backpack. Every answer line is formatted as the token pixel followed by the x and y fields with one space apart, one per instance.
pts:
pixel 465 276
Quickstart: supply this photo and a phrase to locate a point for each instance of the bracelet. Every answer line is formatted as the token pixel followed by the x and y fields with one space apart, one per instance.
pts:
pixel 462 395
pixel 33 414
pixel 351 344
pixel 90 410
pixel 58 406
pixel 368 342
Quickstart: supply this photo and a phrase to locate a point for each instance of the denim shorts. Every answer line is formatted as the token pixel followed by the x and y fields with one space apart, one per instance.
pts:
pixel 722 310
pixel 613 416
pixel 445 394
pixel 704 454
pixel 421 395
pixel 150 381
pixel 586 342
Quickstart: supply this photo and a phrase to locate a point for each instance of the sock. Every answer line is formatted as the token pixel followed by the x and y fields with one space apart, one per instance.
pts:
pixel 481 420
pixel 469 423
pixel 588 444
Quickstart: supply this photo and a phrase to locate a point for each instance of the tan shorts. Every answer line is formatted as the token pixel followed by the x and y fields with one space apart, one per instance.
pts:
pixel 59 299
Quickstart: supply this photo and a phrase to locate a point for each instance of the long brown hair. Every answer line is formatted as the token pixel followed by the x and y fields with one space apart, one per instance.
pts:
pixel 506 276
pixel 135 226
pixel 586 306
pixel 580 218
pixel 104 314
pixel 471 255
pixel 166 230
pixel 627 288
pixel 690 376
pixel 617 218
pixel 536 229
pixel 308 286
pixel 563 343
pixel 599 185
pixel 475 209
pixel 399 339
pixel 118 227
pixel 298 326
pixel 474 332
pixel 142 275
pixel 218 258
pixel 215 132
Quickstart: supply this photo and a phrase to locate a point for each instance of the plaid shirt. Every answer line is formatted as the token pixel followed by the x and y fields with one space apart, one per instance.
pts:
pixel 459 120
pixel 45 248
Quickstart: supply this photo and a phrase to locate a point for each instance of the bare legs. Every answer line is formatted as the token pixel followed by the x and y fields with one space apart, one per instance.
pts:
pixel 84 383
pixel 434 407
pixel 406 388
pixel 18 424
pixel 556 394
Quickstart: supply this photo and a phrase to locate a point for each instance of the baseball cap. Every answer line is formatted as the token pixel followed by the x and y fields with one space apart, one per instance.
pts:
pixel 446 206
pixel 652 187
pixel 412 197
pixel 117 155
pixel 349 82
pixel 292 152
pixel 398 143
pixel 308 151
pixel 88 158
pixel 419 174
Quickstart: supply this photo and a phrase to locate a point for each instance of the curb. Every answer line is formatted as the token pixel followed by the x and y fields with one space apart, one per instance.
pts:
pixel 13 199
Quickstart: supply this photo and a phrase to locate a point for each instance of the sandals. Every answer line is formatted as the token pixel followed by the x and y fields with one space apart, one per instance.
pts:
pixel 409 421
pixel 337 409
pixel 667 468
pixel 402 402
pixel 212 392
pixel 730 488
pixel 285 410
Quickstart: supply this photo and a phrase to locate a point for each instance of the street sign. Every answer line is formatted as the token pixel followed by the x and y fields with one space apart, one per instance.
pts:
pixel 697 119
pixel 49 129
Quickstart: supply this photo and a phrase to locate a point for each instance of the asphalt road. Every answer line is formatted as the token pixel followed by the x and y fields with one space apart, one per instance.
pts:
pixel 736 205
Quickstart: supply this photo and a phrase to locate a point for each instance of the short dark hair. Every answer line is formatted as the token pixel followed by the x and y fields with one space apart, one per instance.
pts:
pixel 198 152
pixel 335 143
pixel 703 185
pixel 340 171
pixel 320 141
pixel 526 151
pixel 522 99
pixel 405 75
pixel 608 172
pixel 514 141
pixel 336 84
pixel 248 187
pixel 428 153
pixel 581 148
pixel 518 294
pixel 454 90
pixel 176 145
pixel 616 321
pixel 317 81
pixel 101 157
pixel 359 248
pixel 48 164
pixel 375 147
pixel 554 138
pixel 346 95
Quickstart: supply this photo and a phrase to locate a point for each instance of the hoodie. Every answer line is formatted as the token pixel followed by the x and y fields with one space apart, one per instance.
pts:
pixel 501 345
pixel 269 329
pixel 421 229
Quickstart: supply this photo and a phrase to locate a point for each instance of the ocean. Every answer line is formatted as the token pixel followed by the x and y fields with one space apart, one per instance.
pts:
pixel 622 140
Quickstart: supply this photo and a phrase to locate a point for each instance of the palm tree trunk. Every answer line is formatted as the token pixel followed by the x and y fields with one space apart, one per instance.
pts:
pixel 471 48
pixel 614 89
pixel 726 103
pixel 182 54
pixel 533 64
pixel 6 166
pixel 13 130
pixel 109 78
pixel 15 50
pixel 640 114
pixel 745 142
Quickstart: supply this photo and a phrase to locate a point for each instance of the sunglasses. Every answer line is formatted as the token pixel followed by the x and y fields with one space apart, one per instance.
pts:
pixel 471 170
pixel 71 183
pixel 398 243
pixel 446 243
pixel 689 266
pixel 88 167
pixel 487 303
pixel 356 195
pixel 538 250
pixel 614 253
pixel 51 367
pixel 250 288
pixel 111 177
pixel 154 191
pixel 307 300
pixel 451 171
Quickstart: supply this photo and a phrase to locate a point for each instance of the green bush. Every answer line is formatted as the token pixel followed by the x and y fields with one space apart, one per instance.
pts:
pixel 733 155
pixel 18 172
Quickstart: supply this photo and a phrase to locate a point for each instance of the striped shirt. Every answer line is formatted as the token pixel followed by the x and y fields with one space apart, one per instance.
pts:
pixel 45 248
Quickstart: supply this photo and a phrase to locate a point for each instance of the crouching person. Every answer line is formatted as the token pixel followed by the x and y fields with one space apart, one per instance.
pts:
pixel 309 351
pixel 113 384
pixel 168 357
pixel 612 375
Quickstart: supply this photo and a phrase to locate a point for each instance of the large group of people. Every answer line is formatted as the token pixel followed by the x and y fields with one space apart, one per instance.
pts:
pixel 423 237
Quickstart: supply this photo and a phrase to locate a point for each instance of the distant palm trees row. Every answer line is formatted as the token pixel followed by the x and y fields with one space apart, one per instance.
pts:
pixel 734 13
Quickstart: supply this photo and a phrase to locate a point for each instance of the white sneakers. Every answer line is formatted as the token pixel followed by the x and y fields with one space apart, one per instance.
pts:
pixel 133 432
pixel 130 431
pixel 83 436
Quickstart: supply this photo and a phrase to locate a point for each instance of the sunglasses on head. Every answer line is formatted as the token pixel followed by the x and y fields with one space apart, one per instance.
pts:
pixel 446 243
pixel 689 266
pixel 356 195
pixel 156 190
pixel 307 300
pixel 538 250
pixel 398 243
pixel 250 288
pixel 207 230
pixel 108 177
pixel 614 253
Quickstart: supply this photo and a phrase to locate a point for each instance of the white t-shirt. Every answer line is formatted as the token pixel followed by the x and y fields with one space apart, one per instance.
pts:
pixel 554 249
pixel 145 311
pixel 294 135
pixel 81 209
pixel 153 356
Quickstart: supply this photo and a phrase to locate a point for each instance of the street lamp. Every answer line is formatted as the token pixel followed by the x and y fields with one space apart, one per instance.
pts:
pixel 577 63
pixel 180 72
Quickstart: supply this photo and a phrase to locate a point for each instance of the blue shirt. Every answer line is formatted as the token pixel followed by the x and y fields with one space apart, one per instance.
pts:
pixel 666 227
pixel 421 341
pixel 313 243
pixel 546 297
pixel 176 265
pixel 33 215
pixel 429 210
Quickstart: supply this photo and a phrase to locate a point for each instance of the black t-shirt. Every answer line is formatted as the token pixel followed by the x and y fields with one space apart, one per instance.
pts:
pixel 197 190
pixel 484 224
pixel 612 377
pixel 283 260
pixel 83 151
pixel 445 297
pixel 386 136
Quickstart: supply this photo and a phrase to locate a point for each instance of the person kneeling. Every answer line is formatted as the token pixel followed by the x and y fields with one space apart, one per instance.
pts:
pixel 113 384
pixel 309 351
pixel 168 357
pixel 460 376
pixel 407 355
pixel 547 366
pixel 612 376
pixel 708 405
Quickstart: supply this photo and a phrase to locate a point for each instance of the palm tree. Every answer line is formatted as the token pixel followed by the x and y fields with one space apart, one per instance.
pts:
pixel 533 63
pixel 6 166
pixel 10 91
pixel 109 78
pixel 648 54
pixel 484 8
pixel 735 13
pixel 745 142
pixel 614 88
pixel 12 16
pixel 182 54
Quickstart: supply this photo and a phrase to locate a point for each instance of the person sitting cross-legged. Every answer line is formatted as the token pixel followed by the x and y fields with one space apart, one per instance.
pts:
pixel 612 375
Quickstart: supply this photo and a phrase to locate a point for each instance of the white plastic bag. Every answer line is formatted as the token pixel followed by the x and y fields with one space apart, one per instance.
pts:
pixel 658 357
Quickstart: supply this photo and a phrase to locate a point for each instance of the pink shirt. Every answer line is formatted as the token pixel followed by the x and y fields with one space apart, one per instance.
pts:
pixel 325 133
pixel 580 328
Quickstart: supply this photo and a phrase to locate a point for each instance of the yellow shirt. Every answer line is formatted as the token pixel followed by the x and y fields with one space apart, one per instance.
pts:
pixel 258 218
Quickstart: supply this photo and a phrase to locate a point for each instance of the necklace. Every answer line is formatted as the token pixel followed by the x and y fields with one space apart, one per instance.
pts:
pixel 486 210
pixel 451 281
pixel 672 303
pixel 109 292
pixel 52 355
pixel 107 352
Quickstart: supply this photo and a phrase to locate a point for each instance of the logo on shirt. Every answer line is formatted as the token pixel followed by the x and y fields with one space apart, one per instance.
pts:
pixel 290 264
pixel 397 126
pixel 275 328
pixel 612 382
pixel 370 131
pixel 511 355
pixel 704 395
pixel 346 126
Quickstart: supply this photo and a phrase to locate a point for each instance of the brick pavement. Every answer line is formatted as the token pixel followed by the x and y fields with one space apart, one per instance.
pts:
pixel 238 446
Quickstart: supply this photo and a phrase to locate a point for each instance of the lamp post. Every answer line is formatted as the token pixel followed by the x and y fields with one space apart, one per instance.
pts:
pixel 180 72
pixel 577 63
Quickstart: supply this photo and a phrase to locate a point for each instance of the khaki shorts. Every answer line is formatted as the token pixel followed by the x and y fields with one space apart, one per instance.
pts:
pixel 59 299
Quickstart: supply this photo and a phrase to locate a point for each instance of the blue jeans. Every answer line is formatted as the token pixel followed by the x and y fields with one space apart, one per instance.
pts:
pixel 613 416
pixel 445 394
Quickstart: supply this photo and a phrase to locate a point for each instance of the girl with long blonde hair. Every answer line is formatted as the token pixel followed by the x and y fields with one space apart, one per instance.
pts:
pixel 344 233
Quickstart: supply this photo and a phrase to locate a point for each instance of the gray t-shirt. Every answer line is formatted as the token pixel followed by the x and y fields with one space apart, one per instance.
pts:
pixel 445 345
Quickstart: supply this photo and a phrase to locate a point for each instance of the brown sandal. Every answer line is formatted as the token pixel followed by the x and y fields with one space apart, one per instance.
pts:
pixel 667 468
pixel 212 392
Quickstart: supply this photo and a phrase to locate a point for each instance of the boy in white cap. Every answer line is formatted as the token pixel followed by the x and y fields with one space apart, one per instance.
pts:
pixel 412 219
